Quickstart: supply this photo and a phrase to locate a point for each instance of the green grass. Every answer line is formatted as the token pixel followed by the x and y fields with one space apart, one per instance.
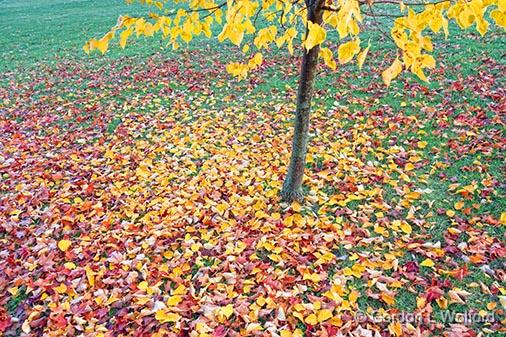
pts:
pixel 48 31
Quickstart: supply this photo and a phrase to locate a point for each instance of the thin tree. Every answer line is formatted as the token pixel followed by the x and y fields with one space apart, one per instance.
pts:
pixel 287 20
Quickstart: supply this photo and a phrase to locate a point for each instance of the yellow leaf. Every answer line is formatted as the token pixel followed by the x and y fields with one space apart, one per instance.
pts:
pixel 348 50
pixel 296 206
pixel 388 299
pixel 454 231
pixel 227 310
pixel 353 296
pixel 298 333
pixel 406 228
pixel 381 230
pixel 159 5
pixel 164 316
pixel 288 221
pixel 202 328
pixel 362 56
pixel 143 171
pixel 413 195
pixel 143 300
pixel 222 207
pixel 316 35
pixel 239 70
pixel 324 315
pixel 174 300
pixel 459 205
pixel 265 36
pixel 298 315
pixel 70 265
pixel 16 212
pixel 421 302
pixel 326 54
pixel 180 290
pixel 482 26
pixel 311 276
pixel 421 144
pixel 299 220
pixel 102 45
pixel 62 288
pixel 285 333
pixel 143 285
pixel 427 263
pixel 255 61
pixel 499 17
pixel 502 219
pixel 428 61
pixel 64 245
pixel 123 37
pixel 395 328
pixel 13 291
pixel 392 72
pixel 253 327
pixel 450 213
pixel 442 302
pixel 311 319
pixel 90 275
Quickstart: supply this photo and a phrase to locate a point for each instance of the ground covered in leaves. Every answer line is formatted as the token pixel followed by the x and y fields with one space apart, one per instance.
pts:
pixel 144 198
pixel 141 198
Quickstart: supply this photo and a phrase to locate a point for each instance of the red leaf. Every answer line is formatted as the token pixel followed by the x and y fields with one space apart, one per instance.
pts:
pixel 220 331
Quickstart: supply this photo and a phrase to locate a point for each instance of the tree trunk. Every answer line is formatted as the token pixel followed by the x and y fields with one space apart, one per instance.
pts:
pixel 292 186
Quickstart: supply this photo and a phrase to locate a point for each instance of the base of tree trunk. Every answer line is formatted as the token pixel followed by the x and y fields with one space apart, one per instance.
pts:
pixel 290 195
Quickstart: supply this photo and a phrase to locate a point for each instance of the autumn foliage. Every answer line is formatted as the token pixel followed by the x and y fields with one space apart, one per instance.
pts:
pixel 285 21
pixel 311 21
pixel 171 223
pixel 140 196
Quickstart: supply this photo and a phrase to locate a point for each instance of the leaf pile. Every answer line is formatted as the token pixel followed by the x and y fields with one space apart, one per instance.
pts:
pixel 143 200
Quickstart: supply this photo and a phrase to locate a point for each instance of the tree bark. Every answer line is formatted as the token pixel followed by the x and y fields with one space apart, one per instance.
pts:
pixel 292 186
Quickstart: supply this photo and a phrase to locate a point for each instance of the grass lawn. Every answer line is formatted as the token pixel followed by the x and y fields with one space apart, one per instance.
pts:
pixel 146 181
